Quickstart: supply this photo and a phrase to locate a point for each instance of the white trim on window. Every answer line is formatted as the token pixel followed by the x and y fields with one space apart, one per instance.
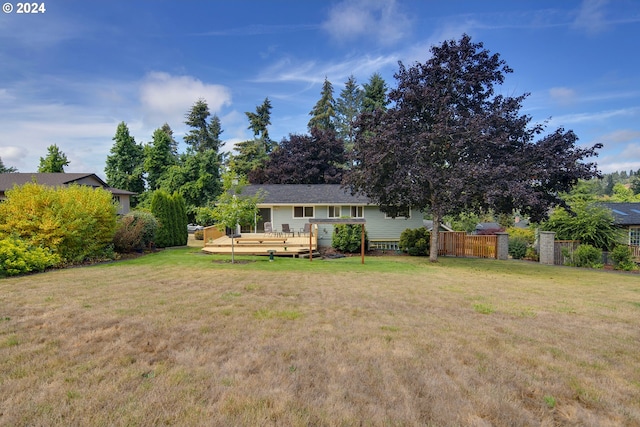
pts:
pixel 357 211
pixel 334 211
pixel 303 212
pixel 387 216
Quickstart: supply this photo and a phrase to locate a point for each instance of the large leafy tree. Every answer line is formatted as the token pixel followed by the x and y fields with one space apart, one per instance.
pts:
pixel 5 169
pixel 304 159
pixel 54 162
pixel 232 208
pixel 348 107
pixel 449 143
pixel 323 114
pixel 125 163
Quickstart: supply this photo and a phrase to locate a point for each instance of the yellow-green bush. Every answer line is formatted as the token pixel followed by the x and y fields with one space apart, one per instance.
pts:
pixel 19 257
pixel 527 234
pixel 75 222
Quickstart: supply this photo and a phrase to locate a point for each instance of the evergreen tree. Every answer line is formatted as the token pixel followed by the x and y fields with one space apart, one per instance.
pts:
pixel 4 169
pixel 157 158
pixel 125 165
pixel 174 144
pixel 348 107
pixel 375 94
pixel 195 178
pixel 161 209
pixel 55 161
pixel 259 122
pixel 254 153
pixel 323 115
pixel 203 135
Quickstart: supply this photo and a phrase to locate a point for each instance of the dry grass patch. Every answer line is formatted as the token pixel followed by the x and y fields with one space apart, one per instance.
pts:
pixel 177 339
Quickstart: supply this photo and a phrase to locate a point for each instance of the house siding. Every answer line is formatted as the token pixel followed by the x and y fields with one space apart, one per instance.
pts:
pixel 378 227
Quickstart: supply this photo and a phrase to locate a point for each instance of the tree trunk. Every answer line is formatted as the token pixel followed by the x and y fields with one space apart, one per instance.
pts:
pixel 435 238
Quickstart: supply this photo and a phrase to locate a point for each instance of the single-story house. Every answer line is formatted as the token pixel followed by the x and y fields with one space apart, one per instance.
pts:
pixel 9 180
pixel 627 216
pixel 295 204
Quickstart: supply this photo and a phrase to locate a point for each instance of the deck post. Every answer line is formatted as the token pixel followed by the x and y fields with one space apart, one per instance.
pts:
pixel 362 243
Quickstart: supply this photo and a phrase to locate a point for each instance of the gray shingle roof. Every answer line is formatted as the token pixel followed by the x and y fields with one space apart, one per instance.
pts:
pixel 306 194
pixel 9 180
pixel 624 213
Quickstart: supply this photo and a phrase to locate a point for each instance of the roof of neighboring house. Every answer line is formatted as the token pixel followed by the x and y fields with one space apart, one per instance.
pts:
pixel 428 224
pixel 624 213
pixel 314 194
pixel 9 180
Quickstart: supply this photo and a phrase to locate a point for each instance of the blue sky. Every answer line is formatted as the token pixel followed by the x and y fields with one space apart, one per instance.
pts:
pixel 69 75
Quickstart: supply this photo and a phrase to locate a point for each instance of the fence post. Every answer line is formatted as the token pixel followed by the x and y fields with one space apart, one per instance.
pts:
pixel 546 241
pixel 502 246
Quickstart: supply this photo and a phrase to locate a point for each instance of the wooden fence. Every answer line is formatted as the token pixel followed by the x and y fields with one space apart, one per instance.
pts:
pixel 459 243
pixel 568 245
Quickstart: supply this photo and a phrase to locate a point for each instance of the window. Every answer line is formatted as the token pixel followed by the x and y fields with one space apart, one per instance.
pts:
pixel 634 236
pixel 403 213
pixel 357 211
pixel 303 211
pixel 334 212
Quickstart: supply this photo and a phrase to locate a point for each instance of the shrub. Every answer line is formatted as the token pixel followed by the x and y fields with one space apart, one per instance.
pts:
pixel 517 247
pixel 172 217
pixel 590 224
pixel 77 222
pixel 585 256
pixel 622 258
pixel 532 254
pixel 18 257
pixel 528 234
pixel 415 242
pixel 128 236
pixel 198 234
pixel 348 238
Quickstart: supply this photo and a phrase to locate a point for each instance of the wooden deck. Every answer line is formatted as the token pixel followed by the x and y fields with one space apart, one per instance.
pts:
pixel 261 244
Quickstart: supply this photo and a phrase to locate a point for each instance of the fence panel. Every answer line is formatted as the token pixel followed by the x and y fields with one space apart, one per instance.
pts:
pixel 569 245
pixel 458 243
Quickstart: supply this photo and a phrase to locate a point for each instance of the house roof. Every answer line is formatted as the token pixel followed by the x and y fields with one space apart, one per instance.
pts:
pixel 627 213
pixel 428 224
pixel 313 194
pixel 9 180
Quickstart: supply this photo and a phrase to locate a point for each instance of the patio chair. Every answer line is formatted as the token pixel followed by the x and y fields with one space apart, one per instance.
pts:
pixel 286 230
pixel 268 229
pixel 306 230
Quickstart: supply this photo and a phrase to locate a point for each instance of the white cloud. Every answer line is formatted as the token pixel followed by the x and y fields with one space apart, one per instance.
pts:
pixel 314 72
pixel 378 19
pixel 167 98
pixel 563 95
pixel 591 16
pixel 592 117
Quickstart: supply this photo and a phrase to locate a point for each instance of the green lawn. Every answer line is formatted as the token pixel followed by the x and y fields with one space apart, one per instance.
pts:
pixel 182 338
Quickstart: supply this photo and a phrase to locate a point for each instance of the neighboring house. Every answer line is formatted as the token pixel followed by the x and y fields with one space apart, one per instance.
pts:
pixel 488 228
pixel 428 224
pixel 9 180
pixel 295 204
pixel 626 216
